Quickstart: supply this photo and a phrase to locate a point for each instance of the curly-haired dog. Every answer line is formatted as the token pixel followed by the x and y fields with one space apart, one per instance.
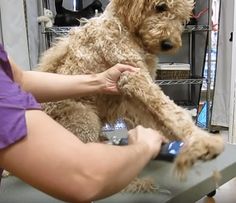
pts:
pixel 130 32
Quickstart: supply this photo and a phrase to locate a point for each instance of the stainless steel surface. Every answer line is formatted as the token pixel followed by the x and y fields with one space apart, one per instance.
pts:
pixel 199 183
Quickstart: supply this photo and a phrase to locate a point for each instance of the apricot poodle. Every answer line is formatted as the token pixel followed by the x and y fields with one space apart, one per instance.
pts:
pixel 130 32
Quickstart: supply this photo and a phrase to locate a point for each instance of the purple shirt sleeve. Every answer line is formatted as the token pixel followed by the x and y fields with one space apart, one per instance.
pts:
pixel 13 104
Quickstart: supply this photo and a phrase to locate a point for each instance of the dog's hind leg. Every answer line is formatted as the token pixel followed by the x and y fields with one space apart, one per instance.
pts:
pixel 198 143
pixel 80 119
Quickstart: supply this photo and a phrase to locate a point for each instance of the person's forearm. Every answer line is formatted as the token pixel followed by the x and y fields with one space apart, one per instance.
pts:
pixel 66 168
pixel 53 87
pixel 116 168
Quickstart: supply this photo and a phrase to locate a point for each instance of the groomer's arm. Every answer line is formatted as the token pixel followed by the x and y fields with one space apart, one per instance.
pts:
pixel 55 161
pixel 53 87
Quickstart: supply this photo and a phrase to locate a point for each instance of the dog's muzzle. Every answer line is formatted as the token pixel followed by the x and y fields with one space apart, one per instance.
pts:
pixel 166 45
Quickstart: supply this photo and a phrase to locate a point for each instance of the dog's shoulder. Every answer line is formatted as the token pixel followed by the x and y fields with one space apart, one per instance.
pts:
pixel 100 27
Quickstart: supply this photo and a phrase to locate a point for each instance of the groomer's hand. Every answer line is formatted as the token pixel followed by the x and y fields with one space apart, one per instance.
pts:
pixel 111 76
pixel 147 136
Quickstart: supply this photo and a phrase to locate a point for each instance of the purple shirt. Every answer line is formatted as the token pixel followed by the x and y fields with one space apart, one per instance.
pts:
pixel 13 104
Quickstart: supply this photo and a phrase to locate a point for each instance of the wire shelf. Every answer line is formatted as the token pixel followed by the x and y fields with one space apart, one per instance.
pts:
pixel 61 31
pixel 180 81
pixel 192 28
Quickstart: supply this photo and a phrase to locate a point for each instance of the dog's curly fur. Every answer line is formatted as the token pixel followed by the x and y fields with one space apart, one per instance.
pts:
pixel 130 32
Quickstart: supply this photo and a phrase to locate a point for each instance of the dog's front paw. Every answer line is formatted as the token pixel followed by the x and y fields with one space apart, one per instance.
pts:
pixel 200 146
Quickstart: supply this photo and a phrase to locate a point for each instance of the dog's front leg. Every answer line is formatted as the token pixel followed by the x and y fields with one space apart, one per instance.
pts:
pixel 198 143
pixel 140 86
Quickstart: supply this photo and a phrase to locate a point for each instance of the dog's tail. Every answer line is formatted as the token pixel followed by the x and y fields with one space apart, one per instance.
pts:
pixel 52 58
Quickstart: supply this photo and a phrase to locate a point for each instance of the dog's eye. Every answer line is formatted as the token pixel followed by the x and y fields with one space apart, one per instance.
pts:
pixel 161 8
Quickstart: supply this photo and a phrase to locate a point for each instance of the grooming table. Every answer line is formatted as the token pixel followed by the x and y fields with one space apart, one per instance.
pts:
pixel 199 183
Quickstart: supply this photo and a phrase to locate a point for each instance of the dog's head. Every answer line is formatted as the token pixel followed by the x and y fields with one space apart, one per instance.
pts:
pixel 157 23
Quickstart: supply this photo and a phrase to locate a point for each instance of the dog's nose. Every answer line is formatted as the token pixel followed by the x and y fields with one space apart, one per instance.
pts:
pixel 166 45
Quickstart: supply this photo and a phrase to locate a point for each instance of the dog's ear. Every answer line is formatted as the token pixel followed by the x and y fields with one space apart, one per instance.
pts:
pixel 130 12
